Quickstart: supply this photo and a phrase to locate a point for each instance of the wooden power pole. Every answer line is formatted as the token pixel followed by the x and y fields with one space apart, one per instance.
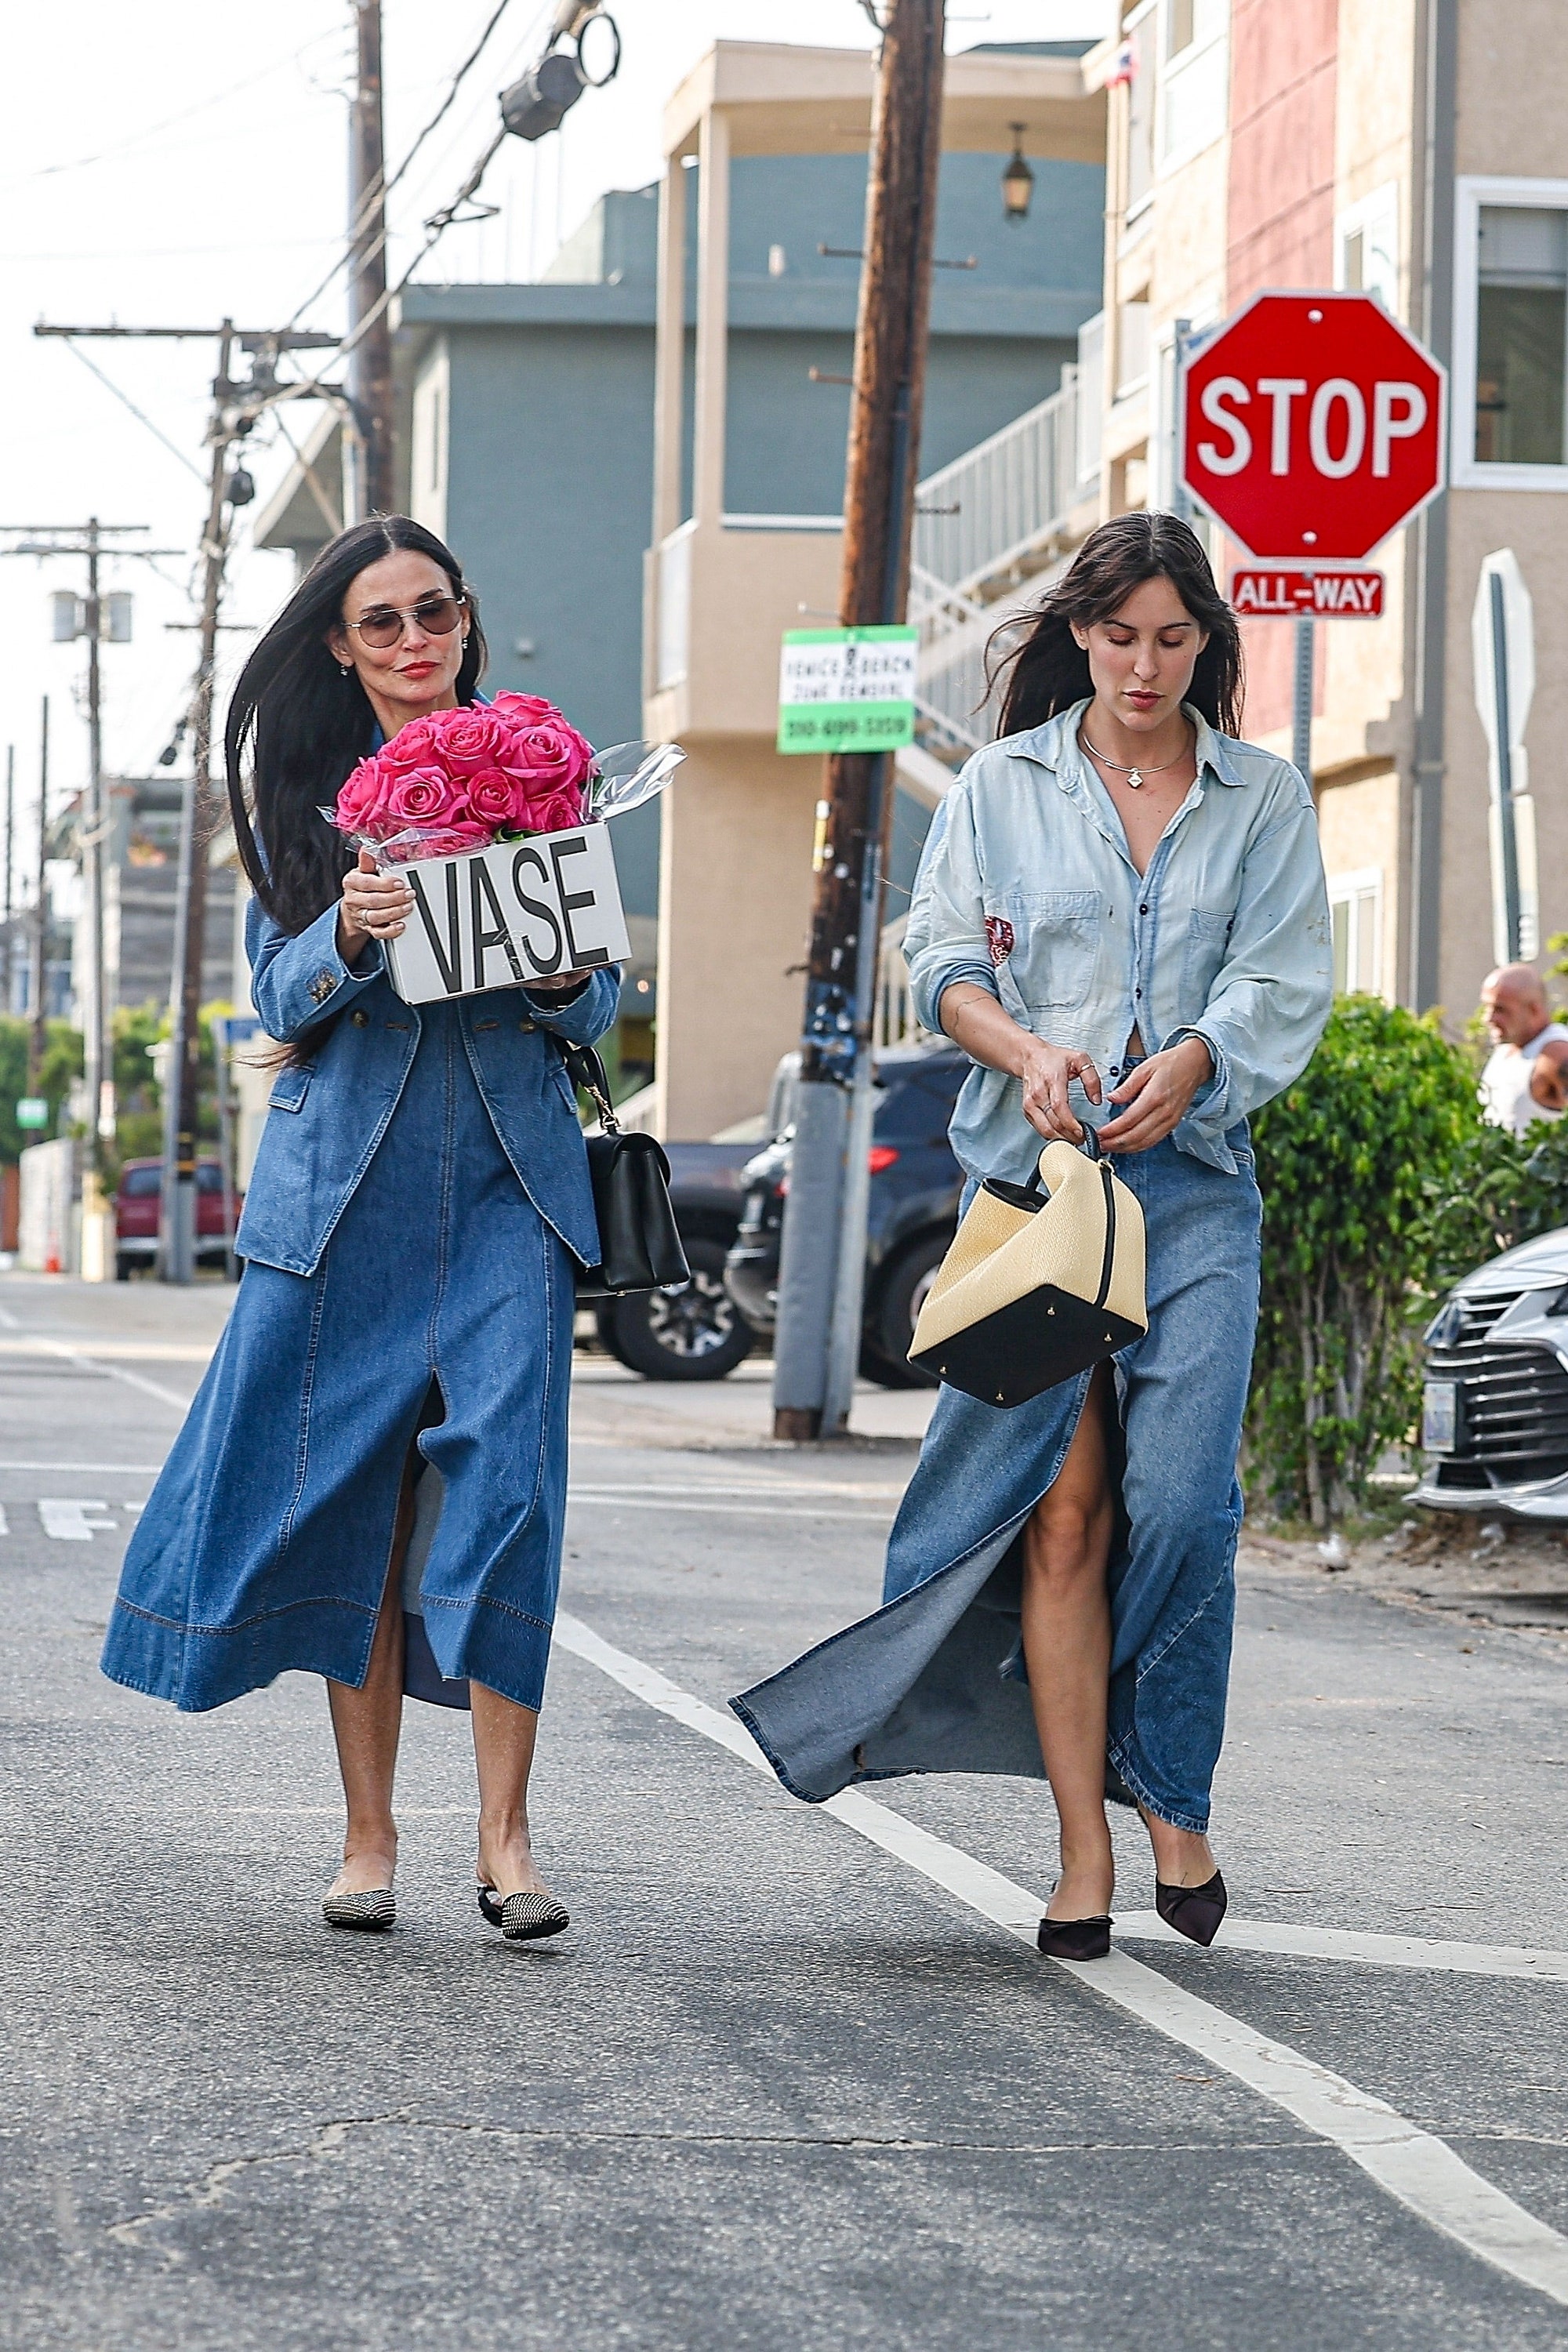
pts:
pixel 181 1076
pixel 824 1248
pixel 370 330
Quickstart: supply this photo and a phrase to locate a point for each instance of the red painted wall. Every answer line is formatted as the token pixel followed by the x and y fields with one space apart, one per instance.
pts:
pixel 1283 65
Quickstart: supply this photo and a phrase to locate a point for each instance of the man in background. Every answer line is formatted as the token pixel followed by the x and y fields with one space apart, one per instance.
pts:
pixel 1527 1075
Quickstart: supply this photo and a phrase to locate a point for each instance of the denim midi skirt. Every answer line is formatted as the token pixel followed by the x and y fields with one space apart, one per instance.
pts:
pixel 934 1681
pixel 440 1316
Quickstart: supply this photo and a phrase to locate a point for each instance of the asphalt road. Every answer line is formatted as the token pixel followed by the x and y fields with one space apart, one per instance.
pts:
pixel 794 2078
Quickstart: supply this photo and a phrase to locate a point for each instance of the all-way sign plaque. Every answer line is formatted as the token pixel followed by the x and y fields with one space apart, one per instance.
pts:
pixel 1321 595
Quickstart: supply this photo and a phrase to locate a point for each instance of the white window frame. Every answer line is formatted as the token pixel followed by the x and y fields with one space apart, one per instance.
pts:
pixel 1151 14
pixel 1362 892
pixel 1171 70
pixel 1466 471
pixel 1382 205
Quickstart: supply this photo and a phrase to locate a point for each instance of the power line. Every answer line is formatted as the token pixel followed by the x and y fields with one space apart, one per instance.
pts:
pixel 377 194
pixel 126 402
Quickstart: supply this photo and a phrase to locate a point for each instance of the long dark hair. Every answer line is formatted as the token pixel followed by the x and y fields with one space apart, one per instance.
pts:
pixel 1047 670
pixel 306 725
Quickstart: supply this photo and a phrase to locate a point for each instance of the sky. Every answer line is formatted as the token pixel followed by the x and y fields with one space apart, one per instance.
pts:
pixel 174 162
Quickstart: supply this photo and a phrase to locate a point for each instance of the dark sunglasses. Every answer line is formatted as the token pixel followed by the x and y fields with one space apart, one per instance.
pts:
pixel 385 624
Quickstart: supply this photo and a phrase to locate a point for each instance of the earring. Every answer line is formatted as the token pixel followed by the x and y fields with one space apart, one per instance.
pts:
pixel 345 669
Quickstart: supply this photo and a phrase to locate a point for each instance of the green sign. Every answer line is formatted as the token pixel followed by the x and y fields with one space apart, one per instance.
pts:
pixel 847 689
pixel 32 1111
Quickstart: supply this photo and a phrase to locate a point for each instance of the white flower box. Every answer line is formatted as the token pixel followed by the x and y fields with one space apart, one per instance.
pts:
pixel 502 916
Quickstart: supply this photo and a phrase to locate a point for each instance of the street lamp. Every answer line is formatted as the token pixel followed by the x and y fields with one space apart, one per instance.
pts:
pixel 1018 180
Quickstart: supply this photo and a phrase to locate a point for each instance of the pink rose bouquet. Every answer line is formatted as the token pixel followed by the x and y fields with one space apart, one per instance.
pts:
pixel 459 779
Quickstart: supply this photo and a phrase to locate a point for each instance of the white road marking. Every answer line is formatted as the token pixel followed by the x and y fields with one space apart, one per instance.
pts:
pixel 1413 2166
pixel 5 1523
pixel 114 1371
pixel 108 1343
pixel 94 1469
pixel 1524 1961
pixel 67 1519
pixel 656 1499
pixel 779 1490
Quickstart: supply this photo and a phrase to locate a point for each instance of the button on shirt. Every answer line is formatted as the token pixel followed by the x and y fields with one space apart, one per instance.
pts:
pixel 1026 887
pixel 1506 1098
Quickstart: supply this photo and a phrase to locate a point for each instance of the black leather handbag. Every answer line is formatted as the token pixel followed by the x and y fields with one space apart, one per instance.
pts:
pixel 639 1243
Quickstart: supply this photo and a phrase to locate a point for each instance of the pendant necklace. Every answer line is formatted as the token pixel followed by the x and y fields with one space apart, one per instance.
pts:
pixel 1134 775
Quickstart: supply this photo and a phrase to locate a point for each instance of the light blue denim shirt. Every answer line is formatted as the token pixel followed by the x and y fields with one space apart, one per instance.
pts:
pixel 1026 887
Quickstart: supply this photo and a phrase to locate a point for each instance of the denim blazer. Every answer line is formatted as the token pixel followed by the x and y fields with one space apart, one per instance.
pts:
pixel 1026 887
pixel 327 1114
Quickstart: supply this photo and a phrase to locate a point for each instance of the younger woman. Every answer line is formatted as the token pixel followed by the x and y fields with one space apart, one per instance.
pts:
pixel 1121 915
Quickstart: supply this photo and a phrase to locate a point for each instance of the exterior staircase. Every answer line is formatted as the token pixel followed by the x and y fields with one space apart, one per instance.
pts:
pixel 1001 520
pixel 995 522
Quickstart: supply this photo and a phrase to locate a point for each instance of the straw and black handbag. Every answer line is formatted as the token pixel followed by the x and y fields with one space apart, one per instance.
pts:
pixel 1042 1280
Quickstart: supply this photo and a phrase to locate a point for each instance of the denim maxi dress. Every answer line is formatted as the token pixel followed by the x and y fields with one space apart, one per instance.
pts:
pixel 1026 887
pixel 419 1203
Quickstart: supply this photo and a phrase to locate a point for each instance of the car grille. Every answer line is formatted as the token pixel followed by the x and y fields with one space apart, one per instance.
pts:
pixel 1513 1425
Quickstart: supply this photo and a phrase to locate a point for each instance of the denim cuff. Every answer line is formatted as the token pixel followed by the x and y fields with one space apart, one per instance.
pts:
pixel 1208 1110
pixel 928 999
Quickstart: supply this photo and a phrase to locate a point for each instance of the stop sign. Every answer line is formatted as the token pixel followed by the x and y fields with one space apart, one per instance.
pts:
pixel 1313 425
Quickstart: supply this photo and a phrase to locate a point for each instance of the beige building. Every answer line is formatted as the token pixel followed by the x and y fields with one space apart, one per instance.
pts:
pixel 722 586
pixel 1417 149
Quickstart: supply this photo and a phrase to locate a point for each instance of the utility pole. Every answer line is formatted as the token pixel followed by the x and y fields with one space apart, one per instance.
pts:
pixel 10 849
pixel 41 913
pixel 370 326
pixel 236 408
pixel 182 1075
pixel 822 1269
pixel 89 539
pixel 92 848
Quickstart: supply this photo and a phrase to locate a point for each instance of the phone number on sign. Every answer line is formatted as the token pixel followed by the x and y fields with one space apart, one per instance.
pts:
pixel 805 730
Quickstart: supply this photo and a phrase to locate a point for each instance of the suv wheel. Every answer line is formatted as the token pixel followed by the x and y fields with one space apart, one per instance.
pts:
pixel 890 1326
pixel 699 1335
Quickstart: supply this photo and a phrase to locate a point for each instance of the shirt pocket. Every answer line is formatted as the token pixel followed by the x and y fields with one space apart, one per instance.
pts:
pixel 1055 947
pixel 293 1084
pixel 1208 938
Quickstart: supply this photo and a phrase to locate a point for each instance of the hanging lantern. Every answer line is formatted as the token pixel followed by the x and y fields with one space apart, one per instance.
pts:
pixel 1018 180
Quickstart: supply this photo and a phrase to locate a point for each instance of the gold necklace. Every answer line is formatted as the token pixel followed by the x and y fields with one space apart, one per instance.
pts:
pixel 1134 775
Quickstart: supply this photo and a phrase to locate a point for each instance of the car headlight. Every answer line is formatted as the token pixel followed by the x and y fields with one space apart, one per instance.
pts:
pixel 1446 1325
pixel 1558 1305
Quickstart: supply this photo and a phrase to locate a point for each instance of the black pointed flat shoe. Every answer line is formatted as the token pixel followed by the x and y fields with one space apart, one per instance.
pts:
pixel 524 1919
pixel 1195 1912
pixel 1075 1939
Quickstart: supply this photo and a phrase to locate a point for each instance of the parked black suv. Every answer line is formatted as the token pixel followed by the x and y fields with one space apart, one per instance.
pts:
pixel 913 1214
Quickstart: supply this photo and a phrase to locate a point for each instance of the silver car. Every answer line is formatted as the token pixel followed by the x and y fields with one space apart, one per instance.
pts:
pixel 1494 1420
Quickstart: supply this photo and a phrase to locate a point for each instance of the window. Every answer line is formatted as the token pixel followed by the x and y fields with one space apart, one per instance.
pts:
pixel 1521 313
pixel 1366 247
pixel 1511 334
pixel 1196 84
pixel 1140 114
pixel 1131 345
pixel 1355 905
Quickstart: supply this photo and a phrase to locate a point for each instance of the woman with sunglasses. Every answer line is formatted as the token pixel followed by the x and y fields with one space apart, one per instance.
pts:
pixel 371 1482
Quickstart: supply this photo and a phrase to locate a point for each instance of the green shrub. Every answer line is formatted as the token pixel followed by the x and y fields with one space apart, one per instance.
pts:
pixel 1352 1160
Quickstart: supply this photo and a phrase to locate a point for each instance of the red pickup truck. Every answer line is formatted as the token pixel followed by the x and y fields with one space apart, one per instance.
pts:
pixel 136 1214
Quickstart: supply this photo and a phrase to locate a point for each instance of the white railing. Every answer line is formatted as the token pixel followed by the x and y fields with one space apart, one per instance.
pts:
pixel 894 1021
pixel 672 606
pixel 1003 499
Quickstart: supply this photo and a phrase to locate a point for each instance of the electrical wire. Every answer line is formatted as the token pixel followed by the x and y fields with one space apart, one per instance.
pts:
pixel 126 402
pixel 381 189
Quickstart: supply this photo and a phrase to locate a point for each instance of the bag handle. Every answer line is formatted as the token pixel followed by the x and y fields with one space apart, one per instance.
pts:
pixel 584 1069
